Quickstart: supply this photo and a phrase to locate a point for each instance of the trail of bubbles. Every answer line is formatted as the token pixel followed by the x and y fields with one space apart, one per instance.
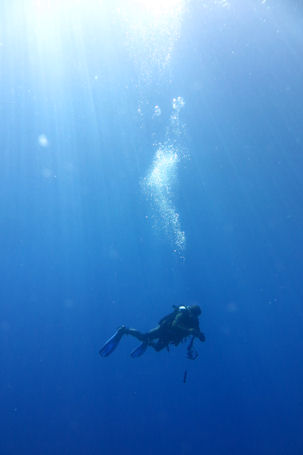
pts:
pixel 161 179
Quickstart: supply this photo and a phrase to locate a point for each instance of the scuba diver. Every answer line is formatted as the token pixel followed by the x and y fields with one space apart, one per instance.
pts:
pixel 172 329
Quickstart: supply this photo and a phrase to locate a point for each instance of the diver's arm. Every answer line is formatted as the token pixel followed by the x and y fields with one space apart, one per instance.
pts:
pixel 197 333
pixel 178 323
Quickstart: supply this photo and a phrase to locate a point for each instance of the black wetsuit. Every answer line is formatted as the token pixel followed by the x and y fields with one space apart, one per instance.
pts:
pixel 172 329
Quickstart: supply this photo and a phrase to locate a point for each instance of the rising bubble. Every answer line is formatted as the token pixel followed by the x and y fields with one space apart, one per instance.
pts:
pixel 157 111
pixel 43 141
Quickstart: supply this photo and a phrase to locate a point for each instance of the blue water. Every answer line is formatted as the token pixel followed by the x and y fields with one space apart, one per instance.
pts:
pixel 115 205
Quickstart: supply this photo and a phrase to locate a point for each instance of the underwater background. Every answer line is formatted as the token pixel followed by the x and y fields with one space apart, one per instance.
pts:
pixel 151 155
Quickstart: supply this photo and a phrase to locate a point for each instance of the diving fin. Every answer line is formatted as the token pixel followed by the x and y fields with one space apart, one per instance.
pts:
pixel 111 344
pixel 139 350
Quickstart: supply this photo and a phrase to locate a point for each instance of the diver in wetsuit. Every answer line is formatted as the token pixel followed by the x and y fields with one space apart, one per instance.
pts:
pixel 172 329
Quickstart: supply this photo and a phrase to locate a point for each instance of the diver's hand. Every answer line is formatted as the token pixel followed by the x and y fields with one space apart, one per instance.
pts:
pixel 197 334
pixel 201 336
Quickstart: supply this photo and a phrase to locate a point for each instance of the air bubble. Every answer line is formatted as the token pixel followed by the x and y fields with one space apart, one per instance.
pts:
pixel 157 111
pixel 43 141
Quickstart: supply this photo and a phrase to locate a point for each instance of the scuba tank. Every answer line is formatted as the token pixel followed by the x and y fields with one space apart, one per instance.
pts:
pixel 168 319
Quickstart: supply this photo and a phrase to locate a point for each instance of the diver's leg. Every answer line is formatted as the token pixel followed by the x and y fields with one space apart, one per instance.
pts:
pixel 154 333
pixel 159 334
pixel 150 335
pixel 135 333
pixel 159 345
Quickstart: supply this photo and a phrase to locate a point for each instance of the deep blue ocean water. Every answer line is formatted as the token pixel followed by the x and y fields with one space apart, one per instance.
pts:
pixel 151 155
